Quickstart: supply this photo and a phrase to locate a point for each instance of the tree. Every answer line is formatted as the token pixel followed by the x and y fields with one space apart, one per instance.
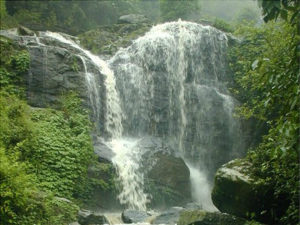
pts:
pixel 267 71
pixel 272 9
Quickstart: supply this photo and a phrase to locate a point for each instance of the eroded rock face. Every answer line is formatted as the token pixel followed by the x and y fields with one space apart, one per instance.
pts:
pixel 236 193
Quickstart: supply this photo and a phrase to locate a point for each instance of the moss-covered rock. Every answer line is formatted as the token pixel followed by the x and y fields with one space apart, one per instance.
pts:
pixel 103 193
pixel 237 193
pixel 201 217
pixel 106 40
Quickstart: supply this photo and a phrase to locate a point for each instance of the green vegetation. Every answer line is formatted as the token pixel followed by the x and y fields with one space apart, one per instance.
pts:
pixel 108 39
pixel 267 73
pixel 44 153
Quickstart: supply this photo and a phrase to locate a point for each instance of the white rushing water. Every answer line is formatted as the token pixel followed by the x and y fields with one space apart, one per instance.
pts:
pixel 201 189
pixel 113 117
pixel 172 84
pixel 127 160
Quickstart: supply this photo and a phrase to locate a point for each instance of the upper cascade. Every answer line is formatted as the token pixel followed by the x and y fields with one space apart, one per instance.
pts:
pixel 113 118
pixel 52 55
pixel 172 84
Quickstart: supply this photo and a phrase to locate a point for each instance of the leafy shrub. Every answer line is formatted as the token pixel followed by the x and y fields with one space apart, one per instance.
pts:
pixel 222 25
pixel 267 73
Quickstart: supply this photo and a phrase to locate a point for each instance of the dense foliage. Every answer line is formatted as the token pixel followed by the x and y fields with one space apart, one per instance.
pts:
pixel 267 73
pixel 280 8
pixel 44 153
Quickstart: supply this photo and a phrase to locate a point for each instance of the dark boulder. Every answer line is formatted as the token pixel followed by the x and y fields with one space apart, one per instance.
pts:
pixel 86 217
pixel 236 193
pixel 166 177
pixel 134 216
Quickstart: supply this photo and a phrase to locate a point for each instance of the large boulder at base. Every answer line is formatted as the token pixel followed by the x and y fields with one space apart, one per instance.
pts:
pixel 200 217
pixel 236 193
pixel 166 178
pixel 134 216
pixel 133 18
pixel 170 216
pixel 86 217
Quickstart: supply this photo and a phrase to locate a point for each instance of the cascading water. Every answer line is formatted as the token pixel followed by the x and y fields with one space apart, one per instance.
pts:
pixel 172 85
pixel 113 118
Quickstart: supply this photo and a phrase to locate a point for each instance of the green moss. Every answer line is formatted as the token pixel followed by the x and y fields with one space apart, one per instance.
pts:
pixel 189 217
pixel 108 39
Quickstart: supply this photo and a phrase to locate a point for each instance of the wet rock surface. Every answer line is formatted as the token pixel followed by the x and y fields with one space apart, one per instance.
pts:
pixel 134 216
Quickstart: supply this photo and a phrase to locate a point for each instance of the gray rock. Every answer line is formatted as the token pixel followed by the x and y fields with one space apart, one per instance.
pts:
pixel 134 216
pixel 170 216
pixel 86 217
pixel 133 18
pixel 201 217
pixel 57 67
pixel 167 180
pixel 236 193
pixel 104 153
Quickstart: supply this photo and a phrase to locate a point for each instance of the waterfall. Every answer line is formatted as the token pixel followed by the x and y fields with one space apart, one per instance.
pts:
pixel 172 85
pixel 113 118
pixel 169 85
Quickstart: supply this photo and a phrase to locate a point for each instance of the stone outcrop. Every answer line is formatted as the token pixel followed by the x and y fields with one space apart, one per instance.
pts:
pixel 169 216
pixel 86 217
pixel 236 193
pixel 210 218
pixel 107 39
pixel 134 216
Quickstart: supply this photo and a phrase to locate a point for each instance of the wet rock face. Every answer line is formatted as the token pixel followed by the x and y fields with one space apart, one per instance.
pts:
pixel 236 193
pixel 53 70
pixel 57 66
